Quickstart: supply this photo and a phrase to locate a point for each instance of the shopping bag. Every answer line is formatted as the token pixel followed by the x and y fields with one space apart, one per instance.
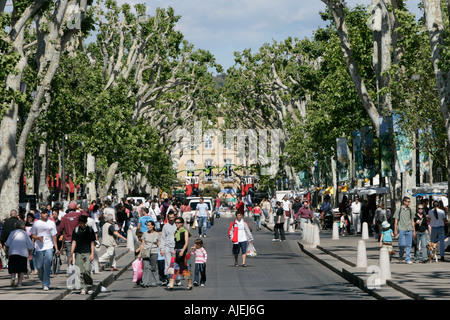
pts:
pixel 251 251
pixel 138 269
pixel 195 224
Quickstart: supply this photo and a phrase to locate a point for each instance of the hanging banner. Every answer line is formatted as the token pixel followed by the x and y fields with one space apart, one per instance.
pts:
pixel 358 155
pixel 402 145
pixel 316 173
pixel 367 152
pixel 343 160
pixel 387 147
pixel 304 179
pixel 424 157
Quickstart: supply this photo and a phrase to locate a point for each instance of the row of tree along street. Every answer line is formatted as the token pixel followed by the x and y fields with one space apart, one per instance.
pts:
pixel 93 91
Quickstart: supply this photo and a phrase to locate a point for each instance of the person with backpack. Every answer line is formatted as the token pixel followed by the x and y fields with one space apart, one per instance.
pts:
pixel 83 247
pixel 110 231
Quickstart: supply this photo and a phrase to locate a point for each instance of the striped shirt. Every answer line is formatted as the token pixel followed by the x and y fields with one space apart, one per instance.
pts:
pixel 200 255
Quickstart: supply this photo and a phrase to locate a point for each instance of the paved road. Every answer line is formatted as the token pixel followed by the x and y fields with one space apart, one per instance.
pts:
pixel 281 271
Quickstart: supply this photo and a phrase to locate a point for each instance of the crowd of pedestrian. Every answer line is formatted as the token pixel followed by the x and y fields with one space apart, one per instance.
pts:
pixel 30 241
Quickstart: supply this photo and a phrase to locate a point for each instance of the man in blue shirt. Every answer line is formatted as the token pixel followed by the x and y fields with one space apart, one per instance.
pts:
pixel 142 224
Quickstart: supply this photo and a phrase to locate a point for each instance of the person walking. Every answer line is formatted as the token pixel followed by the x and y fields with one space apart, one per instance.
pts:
pixel 68 223
pixel 19 250
pixel 110 231
pixel 355 210
pixel 305 214
pixel 168 242
pixel 83 248
pixel 421 225
pixel 151 240
pixel 404 227
pixel 44 233
pixel 180 266
pixel 257 216
pixel 201 256
pixel 239 233
pixel 202 215
pixel 279 223
pixel 437 223
pixel 379 217
pixel 186 213
pixel 386 238
pixel 8 226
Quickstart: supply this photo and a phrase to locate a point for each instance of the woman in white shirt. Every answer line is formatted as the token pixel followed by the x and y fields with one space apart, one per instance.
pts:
pixel 437 223
pixel 19 248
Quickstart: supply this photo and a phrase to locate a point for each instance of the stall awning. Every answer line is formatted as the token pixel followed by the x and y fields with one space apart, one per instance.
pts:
pixel 435 188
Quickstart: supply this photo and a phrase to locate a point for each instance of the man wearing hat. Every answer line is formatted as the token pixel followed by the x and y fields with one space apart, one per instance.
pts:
pixel 68 223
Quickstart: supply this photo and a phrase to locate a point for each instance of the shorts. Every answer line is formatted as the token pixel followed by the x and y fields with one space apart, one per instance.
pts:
pixel 240 245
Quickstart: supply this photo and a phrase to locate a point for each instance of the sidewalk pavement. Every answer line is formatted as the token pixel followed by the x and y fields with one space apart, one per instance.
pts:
pixel 417 281
pixel 32 286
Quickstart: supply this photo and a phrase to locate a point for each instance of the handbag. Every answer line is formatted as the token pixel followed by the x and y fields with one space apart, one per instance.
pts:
pixel 145 254
pixel 251 251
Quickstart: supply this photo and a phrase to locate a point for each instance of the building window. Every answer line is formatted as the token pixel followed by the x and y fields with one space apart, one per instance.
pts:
pixel 190 165
pixel 208 139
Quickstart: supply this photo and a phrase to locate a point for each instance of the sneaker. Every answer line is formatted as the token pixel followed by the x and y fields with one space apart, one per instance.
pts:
pixel 409 262
pixel 83 291
pixel 202 285
pixel 275 240
pixel 195 284
pixel 46 288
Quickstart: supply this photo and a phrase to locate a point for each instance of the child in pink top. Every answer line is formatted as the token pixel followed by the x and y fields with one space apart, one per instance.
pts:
pixel 200 262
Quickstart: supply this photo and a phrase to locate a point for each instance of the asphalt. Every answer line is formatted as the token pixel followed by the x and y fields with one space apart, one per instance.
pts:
pixel 407 282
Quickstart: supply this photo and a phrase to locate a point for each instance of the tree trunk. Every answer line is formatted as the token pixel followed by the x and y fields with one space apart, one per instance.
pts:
pixel 109 179
pixel 90 178
pixel 435 27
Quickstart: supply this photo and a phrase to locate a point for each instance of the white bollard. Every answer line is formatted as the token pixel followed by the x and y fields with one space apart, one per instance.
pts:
pixel 385 266
pixel 291 226
pixel 335 231
pixel 365 231
pixel 310 234
pixel 130 239
pixel 361 256
pixel 95 266
pixel 316 235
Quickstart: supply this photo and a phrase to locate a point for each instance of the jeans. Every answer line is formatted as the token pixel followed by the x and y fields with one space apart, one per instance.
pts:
pixel 437 234
pixel 43 260
pixel 302 225
pixel 421 238
pixel 258 221
pixel 266 214
pixel 202 225
pixel 200 273
pixel 405 240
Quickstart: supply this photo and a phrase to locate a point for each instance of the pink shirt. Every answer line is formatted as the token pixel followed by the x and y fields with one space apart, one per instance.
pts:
pixel 200 255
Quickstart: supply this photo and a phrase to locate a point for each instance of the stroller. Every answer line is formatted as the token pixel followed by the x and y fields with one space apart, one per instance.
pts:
pixel 328 219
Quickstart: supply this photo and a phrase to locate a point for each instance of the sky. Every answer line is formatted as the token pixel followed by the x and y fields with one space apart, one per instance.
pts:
pixel 226 26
